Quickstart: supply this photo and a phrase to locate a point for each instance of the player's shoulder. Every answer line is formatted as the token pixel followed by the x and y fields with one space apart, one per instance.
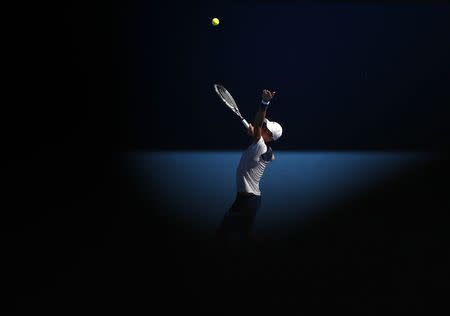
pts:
pixel 259 142
pixel 260 145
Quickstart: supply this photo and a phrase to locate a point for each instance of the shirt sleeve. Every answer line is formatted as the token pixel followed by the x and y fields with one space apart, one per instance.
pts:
pixel 260 148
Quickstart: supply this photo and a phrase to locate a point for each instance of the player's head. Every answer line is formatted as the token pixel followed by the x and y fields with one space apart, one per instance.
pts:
pixel 271 130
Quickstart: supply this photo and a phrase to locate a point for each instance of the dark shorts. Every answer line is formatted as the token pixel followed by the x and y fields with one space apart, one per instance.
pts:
pixel 239 219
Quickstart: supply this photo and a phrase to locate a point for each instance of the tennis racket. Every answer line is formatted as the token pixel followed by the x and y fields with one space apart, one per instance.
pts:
pixel 229 101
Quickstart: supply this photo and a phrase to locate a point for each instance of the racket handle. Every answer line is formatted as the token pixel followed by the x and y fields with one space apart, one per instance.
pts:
pixel 245 123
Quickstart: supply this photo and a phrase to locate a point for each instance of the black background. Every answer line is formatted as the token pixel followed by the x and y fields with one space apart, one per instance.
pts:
pixel 73 232
pixel 349 76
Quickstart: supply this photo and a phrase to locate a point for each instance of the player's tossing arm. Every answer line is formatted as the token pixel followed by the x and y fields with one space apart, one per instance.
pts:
pixel 255 129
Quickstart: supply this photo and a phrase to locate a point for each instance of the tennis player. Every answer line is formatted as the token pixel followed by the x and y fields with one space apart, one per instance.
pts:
pixel 239 219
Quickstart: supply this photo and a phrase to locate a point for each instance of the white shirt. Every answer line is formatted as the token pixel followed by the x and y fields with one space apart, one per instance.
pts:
pixel 252 165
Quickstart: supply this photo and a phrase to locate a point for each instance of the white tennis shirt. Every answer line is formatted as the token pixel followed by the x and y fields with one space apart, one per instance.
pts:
pixel 252 165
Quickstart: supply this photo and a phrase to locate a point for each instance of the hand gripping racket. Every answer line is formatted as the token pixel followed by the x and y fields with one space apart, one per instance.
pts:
pixel 229 101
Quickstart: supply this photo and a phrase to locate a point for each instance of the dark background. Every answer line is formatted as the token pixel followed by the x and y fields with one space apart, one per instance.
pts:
pixel 86 81
pixel 349 76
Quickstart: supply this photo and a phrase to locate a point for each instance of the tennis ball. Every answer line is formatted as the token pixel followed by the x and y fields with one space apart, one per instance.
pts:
pixel 215 21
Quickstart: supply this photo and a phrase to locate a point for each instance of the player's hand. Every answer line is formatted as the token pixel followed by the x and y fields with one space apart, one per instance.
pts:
pixel 250 129
pixel 267 95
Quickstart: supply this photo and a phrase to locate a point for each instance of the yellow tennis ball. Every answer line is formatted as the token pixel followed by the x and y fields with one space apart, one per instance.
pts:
pixel 215 21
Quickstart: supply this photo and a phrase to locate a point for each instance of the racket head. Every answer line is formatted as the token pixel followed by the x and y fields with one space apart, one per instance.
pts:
pixel 227 98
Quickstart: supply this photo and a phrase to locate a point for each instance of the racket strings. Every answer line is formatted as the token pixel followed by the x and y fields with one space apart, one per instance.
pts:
pixel 231 101
pixel 226 96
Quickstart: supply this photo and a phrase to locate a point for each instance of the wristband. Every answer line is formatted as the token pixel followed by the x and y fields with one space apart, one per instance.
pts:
pixel 265 103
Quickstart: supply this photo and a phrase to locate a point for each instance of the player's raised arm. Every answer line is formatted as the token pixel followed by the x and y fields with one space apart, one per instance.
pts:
pixel 250 130
pixel 261 114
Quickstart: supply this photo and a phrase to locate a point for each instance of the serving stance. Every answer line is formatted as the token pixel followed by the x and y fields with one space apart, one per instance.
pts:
pixel 239 219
